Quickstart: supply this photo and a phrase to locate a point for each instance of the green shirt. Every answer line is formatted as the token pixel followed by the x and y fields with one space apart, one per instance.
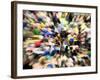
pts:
pixel 36 31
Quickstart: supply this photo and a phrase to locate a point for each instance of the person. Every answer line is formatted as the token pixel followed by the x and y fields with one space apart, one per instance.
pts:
pixel 86 61
pixel 41 63
pixel 62 60
pixel 26 64
pixel 54 60
pixel 38 43
pixel 36 31
pixel 28 57
pixel 70 62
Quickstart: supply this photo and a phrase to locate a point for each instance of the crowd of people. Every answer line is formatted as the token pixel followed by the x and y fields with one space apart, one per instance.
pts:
pixel 56 39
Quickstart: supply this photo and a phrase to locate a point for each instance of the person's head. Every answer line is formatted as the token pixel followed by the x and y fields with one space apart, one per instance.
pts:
pixel 42 60
pixel 71 48
pixel 87 61
pixel 29 52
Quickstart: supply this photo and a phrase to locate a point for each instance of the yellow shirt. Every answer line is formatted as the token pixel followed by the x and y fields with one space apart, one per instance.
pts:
pixel 75 30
